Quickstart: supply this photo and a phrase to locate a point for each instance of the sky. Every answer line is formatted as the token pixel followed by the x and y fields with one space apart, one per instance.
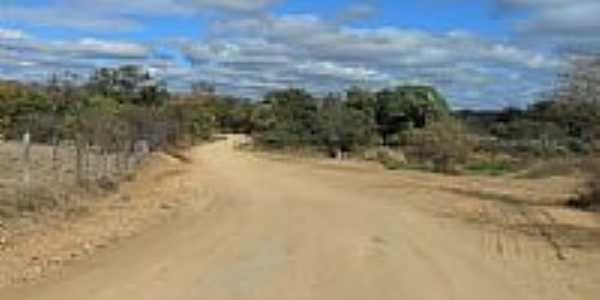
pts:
pixel 479 53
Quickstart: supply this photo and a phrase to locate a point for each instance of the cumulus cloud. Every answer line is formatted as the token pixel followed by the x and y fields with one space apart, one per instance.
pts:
pixel 87 48
pixel 117 15
pixel 25 57
pixel 94 48
pixel 247 49
pixel 387 46
pixel 12 34
pixel 327 69
pixel 560 18
pixel 357 12
pixel 72 17
pixel 304 50
pixel 244 6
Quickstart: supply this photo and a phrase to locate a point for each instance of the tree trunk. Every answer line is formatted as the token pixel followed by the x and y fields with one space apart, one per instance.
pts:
pixel 338 154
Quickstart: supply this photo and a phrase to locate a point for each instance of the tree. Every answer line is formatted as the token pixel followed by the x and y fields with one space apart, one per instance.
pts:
pixel 129 84
pixel 192 119
pixel 446 143
pixel 343 128
pixel 391 114
pixel 203 88
pixel 295 115
pixel 406 107
pixel 361 100
pixel 18 105
pixel 263 118
pixel 64 92
pixel 574 104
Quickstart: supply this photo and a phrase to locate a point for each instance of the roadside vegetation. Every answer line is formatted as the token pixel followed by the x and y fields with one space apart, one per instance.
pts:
pixel 111 119
pixel 413 127
pixel 72 138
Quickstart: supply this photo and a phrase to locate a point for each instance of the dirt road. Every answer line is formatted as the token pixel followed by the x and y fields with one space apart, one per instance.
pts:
pixel 268 229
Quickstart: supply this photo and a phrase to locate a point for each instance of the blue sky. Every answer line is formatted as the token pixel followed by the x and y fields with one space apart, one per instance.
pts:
pixel 481 54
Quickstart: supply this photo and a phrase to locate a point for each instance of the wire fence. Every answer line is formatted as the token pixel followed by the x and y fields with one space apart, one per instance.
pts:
pixel 42 167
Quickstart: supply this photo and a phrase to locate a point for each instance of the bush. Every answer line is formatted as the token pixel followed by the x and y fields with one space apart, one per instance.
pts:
pixel 491 168
pixel 552 167
pixel 37 198
pixel 342 129
pixel 446 144
pixel 589 196
pixel 391 159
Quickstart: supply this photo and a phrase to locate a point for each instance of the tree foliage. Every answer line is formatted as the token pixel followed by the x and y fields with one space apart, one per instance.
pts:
pixel 407 107
pixel 128 84
pixel 343 128
pixel 446 143
pixel 124 103
pixel 295 117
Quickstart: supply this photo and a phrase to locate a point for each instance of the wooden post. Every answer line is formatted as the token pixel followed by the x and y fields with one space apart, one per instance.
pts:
pixel 106 163
pixel 87 166
pixel 26 158
pixel 54 153
pixel 79 163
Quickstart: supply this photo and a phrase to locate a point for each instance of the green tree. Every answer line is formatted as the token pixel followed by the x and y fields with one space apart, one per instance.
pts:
pixel 361 100
pixel 295 113
pixel 407 107
pixel 343 128
pixel 128 84
pixel 18 106
pixel 446 143
pixel 263 118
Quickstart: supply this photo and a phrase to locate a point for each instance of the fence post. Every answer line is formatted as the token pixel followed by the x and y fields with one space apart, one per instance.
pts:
pixel 26 158
pixel 78 163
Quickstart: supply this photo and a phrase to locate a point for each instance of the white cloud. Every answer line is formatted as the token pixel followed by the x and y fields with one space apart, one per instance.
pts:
pixel 256 53
pixel 244 6
pixel 357 12
pixel 248 51
pixel 12 34
pixel 336 71
pixel 88 48
pixel 383 47
pixel 87 18
pixel 570 19
pixel 123 16
pixel 275 50
pixel 26 57
pixel 94 48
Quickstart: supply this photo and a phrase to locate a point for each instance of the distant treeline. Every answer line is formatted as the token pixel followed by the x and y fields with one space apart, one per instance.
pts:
pixel 547 128
pixel 112 103
pixel 566 118
pixel 127 104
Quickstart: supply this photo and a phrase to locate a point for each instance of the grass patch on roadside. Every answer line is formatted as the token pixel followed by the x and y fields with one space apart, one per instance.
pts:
pixel 552 168
pixel 491 168
pixel 392 164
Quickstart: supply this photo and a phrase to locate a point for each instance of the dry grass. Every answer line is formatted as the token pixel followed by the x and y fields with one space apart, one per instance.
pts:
pixel 589 195
pixel 553 168
pixel 53 185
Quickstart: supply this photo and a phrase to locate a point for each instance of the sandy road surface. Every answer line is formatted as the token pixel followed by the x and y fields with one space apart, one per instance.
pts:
pixel 267 229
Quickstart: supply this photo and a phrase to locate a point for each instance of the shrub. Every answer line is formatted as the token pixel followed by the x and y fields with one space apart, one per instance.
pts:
pixel 551 168
pixel 36 198
pixel 107 183
pixel 491 168
pixel 342 129
pixel 391 159
pixel 446 144
pixel 589 196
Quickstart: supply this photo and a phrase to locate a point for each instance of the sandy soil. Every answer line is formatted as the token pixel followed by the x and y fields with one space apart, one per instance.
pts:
pixel 261 228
